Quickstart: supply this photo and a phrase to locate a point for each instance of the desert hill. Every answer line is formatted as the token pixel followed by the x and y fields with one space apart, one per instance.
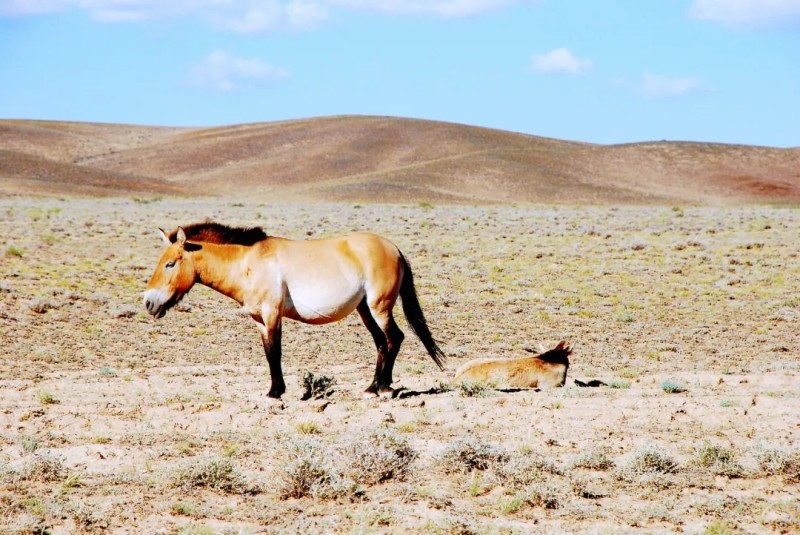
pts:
pixel 382 159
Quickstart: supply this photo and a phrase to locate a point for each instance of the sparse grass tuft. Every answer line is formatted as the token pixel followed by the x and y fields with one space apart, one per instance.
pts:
pixel 107 371
pixel 718 459
pixel 619 383
pixel 308 427
pixel 672 387
pixel 46 397
pixel 473 389
pixel 718 527
pixel 183 508
pixel 467 454
pixel 14 251
pixel 28 444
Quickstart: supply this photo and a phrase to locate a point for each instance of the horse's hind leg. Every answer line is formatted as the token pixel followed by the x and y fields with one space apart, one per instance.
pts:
pixel 380 344
pixel 388 337
pixel 395 337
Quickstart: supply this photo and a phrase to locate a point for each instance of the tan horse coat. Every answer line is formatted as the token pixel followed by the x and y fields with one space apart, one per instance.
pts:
pixel 314 281
pixel 548 369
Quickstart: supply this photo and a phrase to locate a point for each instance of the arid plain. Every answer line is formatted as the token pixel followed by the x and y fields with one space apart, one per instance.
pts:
pixel 114 422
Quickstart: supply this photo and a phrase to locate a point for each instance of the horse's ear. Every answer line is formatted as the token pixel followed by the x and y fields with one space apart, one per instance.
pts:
pixel 164 235
pixel 180 237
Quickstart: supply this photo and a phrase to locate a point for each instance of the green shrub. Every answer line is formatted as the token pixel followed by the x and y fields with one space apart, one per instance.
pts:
pixel 672 387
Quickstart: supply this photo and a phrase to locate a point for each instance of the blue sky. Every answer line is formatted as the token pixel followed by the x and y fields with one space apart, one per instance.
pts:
pixel 597 71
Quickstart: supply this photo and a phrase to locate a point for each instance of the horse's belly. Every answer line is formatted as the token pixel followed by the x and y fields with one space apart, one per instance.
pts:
pixel 322 306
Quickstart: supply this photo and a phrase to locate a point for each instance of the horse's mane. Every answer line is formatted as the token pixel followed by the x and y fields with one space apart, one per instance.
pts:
pixel 211 232
pixel 558 355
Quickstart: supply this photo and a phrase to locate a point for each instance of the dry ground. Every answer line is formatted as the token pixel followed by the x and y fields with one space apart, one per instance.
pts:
pixel 114 422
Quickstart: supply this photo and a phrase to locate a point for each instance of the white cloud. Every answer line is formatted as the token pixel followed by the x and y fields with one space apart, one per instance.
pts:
pixel 754 13
pixel 258 16
pixel 656 86
pixel 560 61
pixel 439 8
pixel 33 7
pixel 223 71
pixel 251 16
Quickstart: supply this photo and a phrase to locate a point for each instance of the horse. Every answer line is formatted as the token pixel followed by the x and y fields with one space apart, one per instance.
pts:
pixel 547 369
pixel 311 281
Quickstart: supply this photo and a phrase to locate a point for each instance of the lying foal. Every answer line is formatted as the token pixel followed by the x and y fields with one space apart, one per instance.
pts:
pixel 548 369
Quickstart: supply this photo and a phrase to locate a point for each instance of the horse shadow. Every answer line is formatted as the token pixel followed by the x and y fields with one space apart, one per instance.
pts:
pixel 403 392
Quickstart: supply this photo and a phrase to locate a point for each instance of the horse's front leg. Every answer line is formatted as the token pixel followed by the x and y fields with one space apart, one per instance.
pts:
pixel 269 324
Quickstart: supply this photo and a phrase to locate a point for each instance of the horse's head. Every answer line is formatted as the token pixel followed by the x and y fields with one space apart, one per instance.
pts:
pixel 174 275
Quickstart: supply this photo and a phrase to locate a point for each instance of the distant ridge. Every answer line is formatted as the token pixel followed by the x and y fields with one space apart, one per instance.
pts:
pixel 383 159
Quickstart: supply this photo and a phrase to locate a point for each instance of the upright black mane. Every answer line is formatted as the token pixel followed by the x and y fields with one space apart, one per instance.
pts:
pixel 558 355
pixel 211 232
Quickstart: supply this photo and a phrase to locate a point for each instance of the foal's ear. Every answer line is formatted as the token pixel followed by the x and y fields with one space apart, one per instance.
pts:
pixel 164 235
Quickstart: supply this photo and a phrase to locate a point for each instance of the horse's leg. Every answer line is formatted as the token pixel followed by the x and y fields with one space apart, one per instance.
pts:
pixel 380 344
pixel 270 327
pixel 388 338
pixel 395 338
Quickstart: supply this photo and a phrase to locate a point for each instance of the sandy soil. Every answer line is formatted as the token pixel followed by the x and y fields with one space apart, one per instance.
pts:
pixel 105 412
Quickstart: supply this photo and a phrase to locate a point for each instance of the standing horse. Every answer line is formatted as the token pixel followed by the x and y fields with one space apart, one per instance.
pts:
pixel 314 281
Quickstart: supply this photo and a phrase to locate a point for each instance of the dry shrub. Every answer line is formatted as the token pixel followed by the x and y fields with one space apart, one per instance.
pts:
pixel 779 460
pixel 317 387
pixel 517 472
pixel 42 305
pixel 379 455
pixel 545 495
pixel 467 454
pixel 218 473
pixel 313 469
pixel 40 467
pixel 644 462
pixel 586 487
pixel 594 459
pixel 718 459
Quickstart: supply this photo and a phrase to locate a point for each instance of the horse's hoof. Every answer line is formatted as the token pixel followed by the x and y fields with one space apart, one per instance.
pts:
pixel 368 394
pixel 387 394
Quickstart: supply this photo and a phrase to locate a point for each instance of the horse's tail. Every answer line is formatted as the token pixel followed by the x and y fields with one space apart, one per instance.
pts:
pixel 415 317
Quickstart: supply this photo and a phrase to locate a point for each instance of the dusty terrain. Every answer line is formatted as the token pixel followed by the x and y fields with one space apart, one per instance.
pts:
pixel 385 160
pixel 113 422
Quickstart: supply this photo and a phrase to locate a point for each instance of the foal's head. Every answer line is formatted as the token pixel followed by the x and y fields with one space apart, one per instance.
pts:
pixel 174 275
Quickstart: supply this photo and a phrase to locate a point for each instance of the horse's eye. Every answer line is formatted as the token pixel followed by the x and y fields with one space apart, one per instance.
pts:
pixel 169 264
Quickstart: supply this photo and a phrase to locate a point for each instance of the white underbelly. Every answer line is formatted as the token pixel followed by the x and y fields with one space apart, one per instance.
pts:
pixel 322 304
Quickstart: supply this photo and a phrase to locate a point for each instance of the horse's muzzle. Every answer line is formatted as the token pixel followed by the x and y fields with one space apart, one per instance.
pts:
pixel 155 303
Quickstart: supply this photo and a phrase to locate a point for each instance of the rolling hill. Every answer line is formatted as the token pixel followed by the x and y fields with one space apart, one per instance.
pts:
pixel 382 159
